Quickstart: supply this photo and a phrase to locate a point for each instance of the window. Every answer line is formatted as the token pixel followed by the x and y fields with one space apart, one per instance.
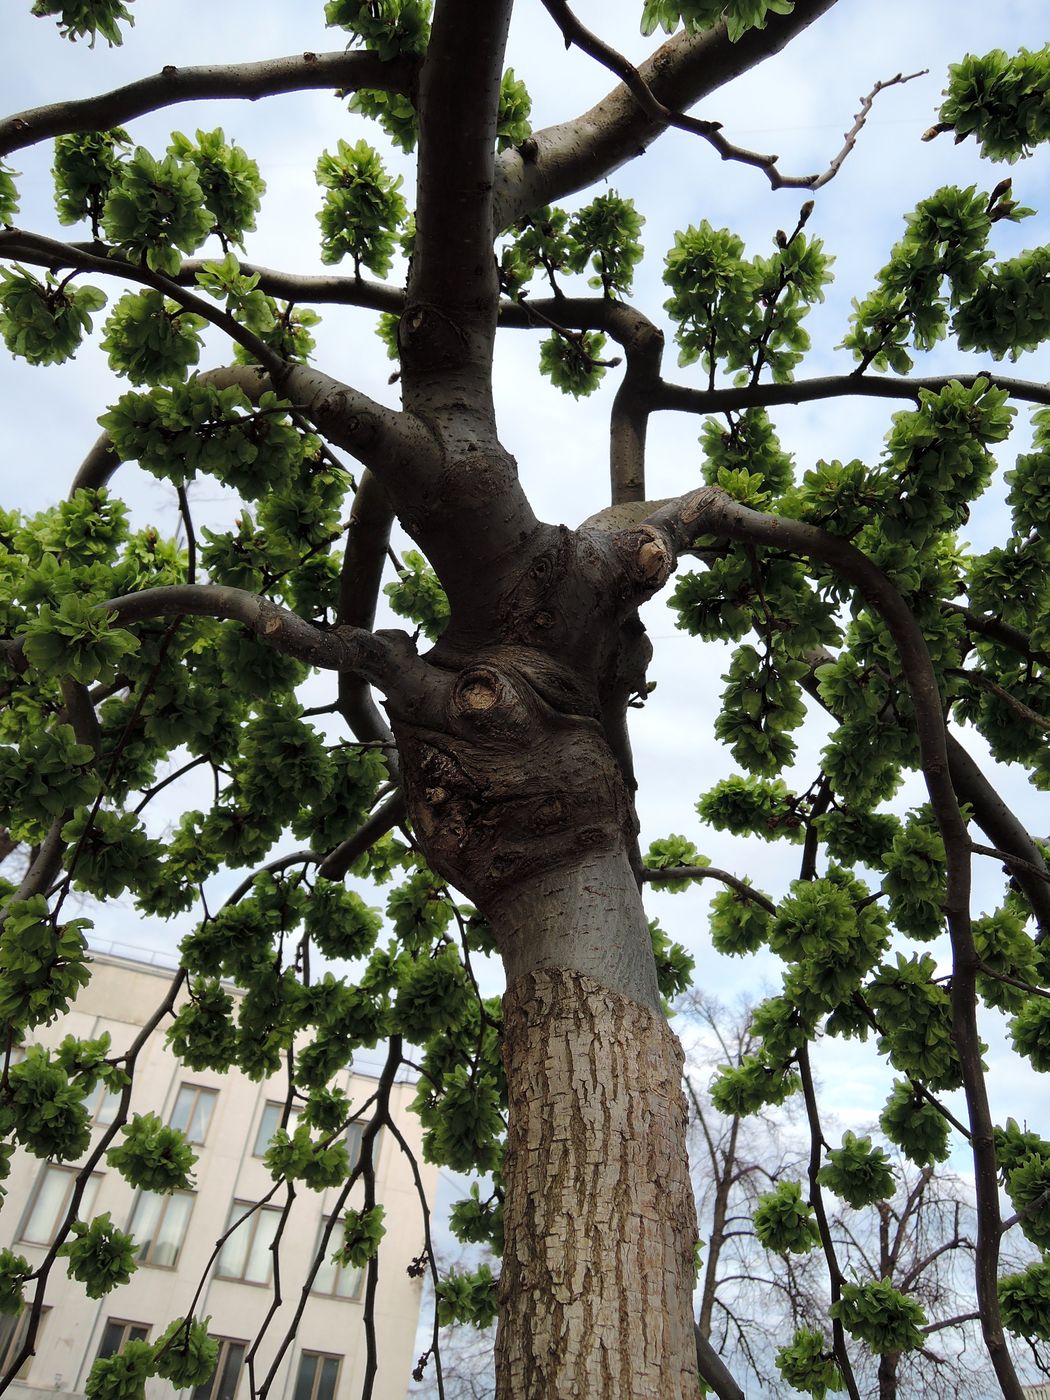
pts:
pixel 246 1255
pixel 268 1125
pixel 102 1104
pixel 193 1110
pixel 337 1280
pixel 318 1376
pixel 47 1210
pixel 223 1382
pixel 12 1338
pixel 159 1225
pixel 118 1333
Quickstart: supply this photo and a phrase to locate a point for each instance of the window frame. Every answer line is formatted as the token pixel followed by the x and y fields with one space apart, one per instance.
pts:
pixel 146 1259
pixel 198 1091
pixel 102 1105
pixel 318 1357
pixel 128 1329
pixel 13 1329
pixel 259 1146
pixel 207 1389
pixel 87 1201
pixel 251 1215
pixel 339 1271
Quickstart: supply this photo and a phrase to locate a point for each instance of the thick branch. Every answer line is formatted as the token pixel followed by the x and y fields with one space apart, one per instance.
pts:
pixel 453 288
pixel 377 655
pixel 367 542
pixel 296 73
pixel 1004 829
pixel 562 159
pixel 833 386
pixel 319 287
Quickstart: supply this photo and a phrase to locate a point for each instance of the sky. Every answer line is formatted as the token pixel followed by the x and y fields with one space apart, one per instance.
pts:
pixel 798 104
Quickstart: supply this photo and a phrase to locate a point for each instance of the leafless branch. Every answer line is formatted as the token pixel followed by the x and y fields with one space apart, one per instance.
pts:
pixel 296 73
pixel 574 32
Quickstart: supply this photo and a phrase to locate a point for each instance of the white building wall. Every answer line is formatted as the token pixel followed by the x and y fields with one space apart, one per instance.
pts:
pixel 119 999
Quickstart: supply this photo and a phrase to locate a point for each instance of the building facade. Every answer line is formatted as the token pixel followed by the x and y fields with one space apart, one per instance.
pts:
pixel 229 1120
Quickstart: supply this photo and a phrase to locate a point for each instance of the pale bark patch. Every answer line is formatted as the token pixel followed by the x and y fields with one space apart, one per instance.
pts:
pixel 597 1278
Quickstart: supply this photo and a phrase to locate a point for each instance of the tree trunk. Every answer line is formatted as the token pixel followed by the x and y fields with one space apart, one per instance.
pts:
pixel 596 1289
pixel 518 800
pixel 888 1365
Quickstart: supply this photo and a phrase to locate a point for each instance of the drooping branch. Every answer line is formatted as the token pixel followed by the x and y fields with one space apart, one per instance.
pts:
pixel 561 159
pixel 574 32
pixel 643 345
pixel 101 462
pixel 713 511
pixel 51 253
pixel 248 81
pixel 372 432
pixel 367 542
pixel 656 877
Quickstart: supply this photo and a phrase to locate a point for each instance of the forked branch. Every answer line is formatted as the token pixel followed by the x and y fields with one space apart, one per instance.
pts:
pixel 574 32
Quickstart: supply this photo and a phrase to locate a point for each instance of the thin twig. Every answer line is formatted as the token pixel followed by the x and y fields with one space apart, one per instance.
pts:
pixel 576 33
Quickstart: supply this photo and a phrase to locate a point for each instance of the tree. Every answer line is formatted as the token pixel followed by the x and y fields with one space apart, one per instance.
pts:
pixel 762 1276
pixel 504 745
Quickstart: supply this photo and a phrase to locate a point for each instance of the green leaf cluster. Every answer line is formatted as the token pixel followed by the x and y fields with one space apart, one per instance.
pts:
pixel 1025 1301
pixel 229 180
pixel 123 1375
pixel 467 1297
pixel 153 1156
pixel 185 1354
pixel 174 433
pixel 44 322
pixel 42 1110
pixel 914 1012
pixel 363 1231
pixel 571 360
pixel 859 1173
pixel 738 924
pixel 155 210
pixel 808 1364
pixel 151 340
pixel 880 1315
pixel 784 1222
pixel 917 1127
pixel 743 314
pixel 101 1257
pixel 86 165
pixel 474 1221
pixel 42 965
pixel 362 209
pixel 75 18
pixel 386 27
pixel 1001 100
pixel 297 1156
pixel 761 706
pixel 668 852
pixel 418 595
pixel 14 1271
pixel 738 15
